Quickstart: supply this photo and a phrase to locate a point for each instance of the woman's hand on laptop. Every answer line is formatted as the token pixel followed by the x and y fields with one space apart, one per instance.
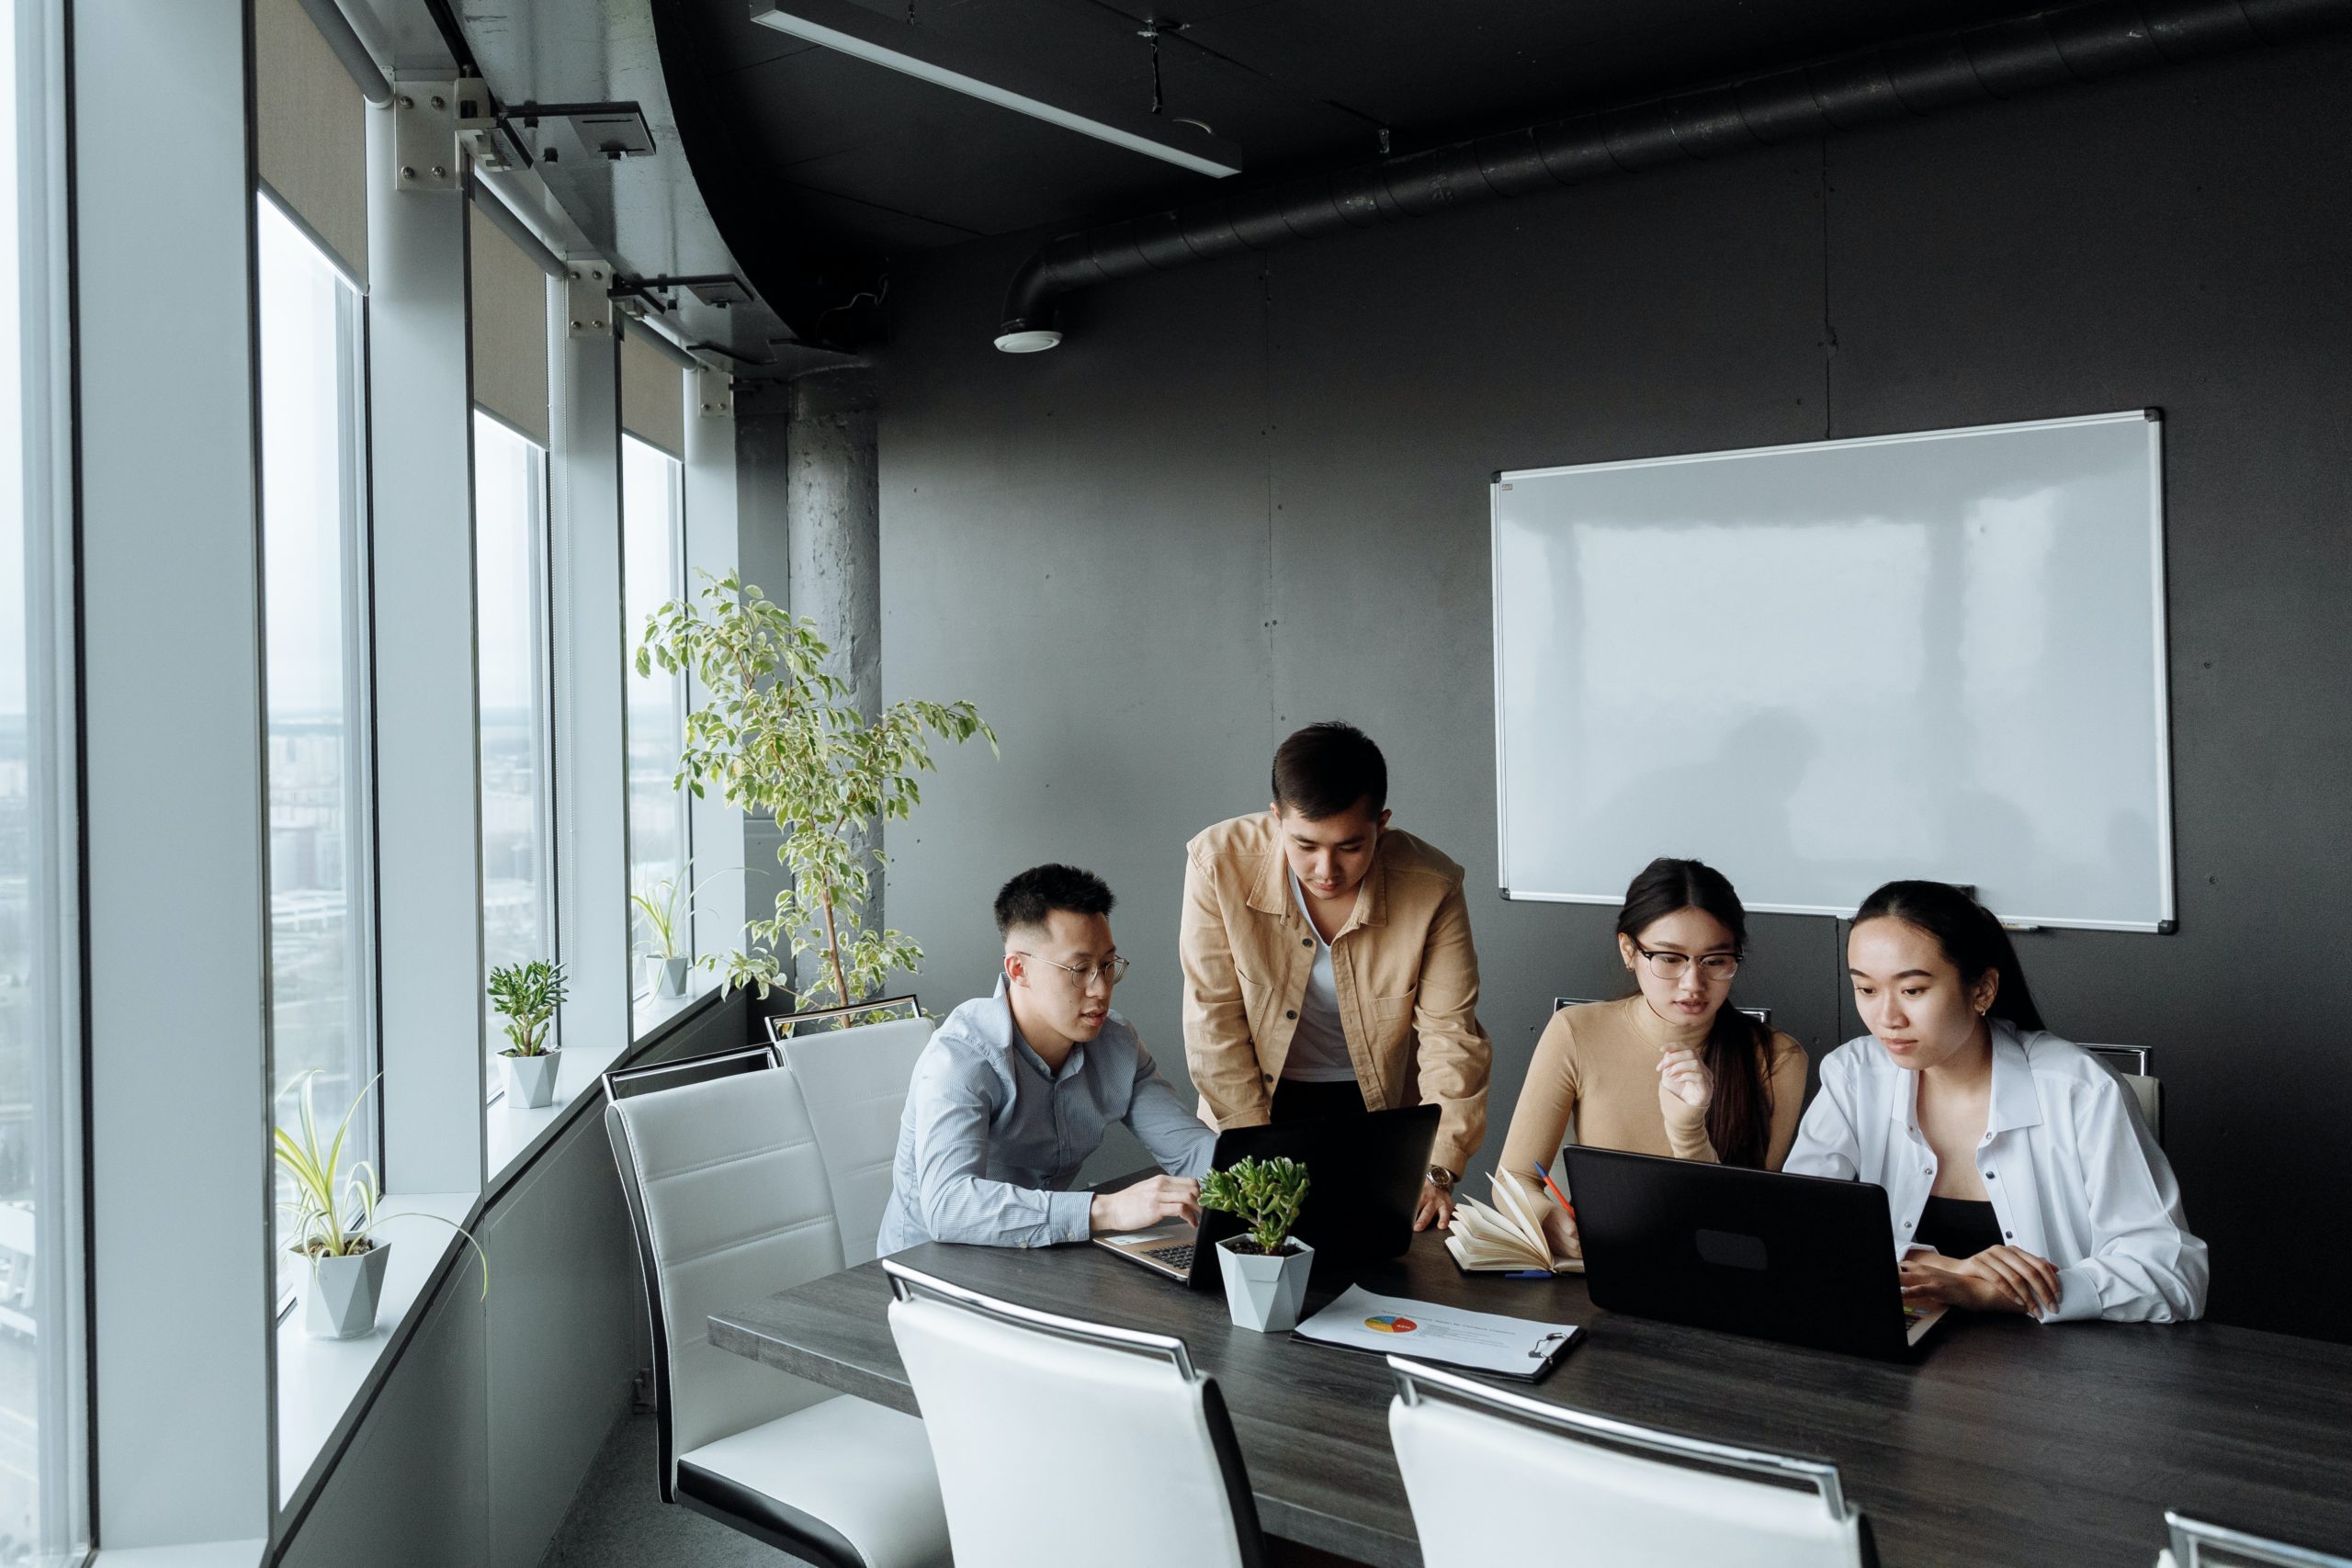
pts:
pixel 1144 1205
pixel 1999 1278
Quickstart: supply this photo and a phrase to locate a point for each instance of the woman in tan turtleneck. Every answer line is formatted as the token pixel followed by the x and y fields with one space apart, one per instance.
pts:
pixel 1671 1069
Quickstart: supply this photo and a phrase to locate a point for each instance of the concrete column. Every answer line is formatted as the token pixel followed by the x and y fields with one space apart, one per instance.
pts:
pixel 833 512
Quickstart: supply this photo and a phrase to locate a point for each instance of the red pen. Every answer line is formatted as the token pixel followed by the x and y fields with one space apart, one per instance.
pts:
pixel 1546 1178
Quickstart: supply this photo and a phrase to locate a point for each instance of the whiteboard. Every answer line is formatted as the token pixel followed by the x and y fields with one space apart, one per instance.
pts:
pixel 1823 666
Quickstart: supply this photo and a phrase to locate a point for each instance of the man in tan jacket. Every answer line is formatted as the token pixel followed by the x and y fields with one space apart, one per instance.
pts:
pixel 1327 963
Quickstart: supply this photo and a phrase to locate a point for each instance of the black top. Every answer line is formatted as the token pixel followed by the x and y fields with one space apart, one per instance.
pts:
pixel 1959 1227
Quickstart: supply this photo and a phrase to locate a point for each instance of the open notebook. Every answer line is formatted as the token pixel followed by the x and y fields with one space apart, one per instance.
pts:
pixel 1507 1236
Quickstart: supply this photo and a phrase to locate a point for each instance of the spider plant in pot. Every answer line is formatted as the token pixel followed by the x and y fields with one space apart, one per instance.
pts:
pixel 661 906
pixel 334 1215
pixel 526 996
pixel 1265 1268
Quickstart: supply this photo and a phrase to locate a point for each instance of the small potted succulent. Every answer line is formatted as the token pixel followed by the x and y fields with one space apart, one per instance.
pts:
pixel 526 996
pixel 334 1216
pixel 660 904
pixel 1266 1267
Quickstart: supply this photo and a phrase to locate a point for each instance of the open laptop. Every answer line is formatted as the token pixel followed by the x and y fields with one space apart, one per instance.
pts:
pixel 1803 1259
pixel 1363 1181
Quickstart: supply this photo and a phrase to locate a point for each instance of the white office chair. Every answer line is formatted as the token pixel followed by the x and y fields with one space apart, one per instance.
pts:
pixel 1140 1468
pixel 2196 1544
pixel 727 1195
pixel 855 1083
pixel 2135 1065
pixel 1487 1472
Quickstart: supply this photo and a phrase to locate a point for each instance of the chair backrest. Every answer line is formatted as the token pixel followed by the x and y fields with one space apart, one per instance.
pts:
pixel 1487 1471
pixel 855 1083
pixel 2135 1065
pixel 1141 1467
pixel 1761 1015
pixel 679 1071
pixel 727 1195
pixel 2196 1544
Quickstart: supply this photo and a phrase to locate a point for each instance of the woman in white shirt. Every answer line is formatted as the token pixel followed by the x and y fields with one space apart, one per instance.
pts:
pixel 2016 1163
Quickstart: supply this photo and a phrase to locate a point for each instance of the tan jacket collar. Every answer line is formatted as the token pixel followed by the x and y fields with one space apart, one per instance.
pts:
pixel 1269 894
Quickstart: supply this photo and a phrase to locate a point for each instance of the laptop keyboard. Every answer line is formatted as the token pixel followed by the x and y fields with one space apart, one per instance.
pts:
pixel 1177 1257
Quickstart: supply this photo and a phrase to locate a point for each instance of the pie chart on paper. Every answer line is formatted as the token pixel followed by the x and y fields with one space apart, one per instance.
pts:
pixel 1389 1323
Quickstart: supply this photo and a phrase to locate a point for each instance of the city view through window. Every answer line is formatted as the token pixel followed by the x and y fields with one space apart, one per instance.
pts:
pixel 510 589
pixel 320 856
pixel 652 570
pixel 42 1416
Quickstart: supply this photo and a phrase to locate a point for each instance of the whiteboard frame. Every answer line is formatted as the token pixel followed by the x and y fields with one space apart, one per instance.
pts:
pixel 2160 658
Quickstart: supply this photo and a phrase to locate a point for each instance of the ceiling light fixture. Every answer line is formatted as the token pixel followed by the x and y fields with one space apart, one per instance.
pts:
pixel 860 32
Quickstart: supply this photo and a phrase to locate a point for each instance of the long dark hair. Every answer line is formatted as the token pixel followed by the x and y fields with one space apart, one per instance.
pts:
pixel 1737 1050
pixel 1969 934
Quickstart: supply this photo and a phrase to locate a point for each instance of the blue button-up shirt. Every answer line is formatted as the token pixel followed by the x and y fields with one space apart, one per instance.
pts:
pixel 992 1140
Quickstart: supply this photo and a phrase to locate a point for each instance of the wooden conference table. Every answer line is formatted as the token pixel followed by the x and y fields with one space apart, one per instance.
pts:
pixel 2008 1444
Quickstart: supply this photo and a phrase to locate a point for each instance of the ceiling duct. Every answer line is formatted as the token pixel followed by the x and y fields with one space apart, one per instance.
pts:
pixel 1920 76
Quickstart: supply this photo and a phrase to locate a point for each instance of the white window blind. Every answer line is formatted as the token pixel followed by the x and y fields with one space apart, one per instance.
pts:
pixel 653 398
pixel 310 132
pixel 510 331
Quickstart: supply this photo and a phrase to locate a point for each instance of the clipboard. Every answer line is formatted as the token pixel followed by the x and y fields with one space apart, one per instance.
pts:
pixel 1499 1346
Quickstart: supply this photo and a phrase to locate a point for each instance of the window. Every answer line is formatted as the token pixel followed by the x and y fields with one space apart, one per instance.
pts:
pixel 510 610
pixel 320 836
pixel 652 570
pixel 44 1442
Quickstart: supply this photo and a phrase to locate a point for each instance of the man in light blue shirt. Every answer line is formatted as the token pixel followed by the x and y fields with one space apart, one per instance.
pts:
pixel 1014 1090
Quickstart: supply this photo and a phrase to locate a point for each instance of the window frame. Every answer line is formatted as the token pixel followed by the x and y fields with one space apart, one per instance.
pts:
pixel 546 800
pixel 363 1006
pixel 641 992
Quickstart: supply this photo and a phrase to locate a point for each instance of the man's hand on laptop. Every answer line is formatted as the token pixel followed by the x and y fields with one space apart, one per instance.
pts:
pixel 1148 1201
pixel 1999 1278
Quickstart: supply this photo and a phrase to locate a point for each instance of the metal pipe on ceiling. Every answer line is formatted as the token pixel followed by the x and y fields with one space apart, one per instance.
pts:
pixel 2085 42
pixel 352 54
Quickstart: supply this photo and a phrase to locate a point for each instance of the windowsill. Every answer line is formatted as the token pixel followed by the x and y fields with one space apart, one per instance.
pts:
pixel 513 1134
pixel 321 1381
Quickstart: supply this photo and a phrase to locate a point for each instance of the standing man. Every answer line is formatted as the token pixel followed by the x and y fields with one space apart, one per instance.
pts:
pixel 1327 964
pixel 1014 1090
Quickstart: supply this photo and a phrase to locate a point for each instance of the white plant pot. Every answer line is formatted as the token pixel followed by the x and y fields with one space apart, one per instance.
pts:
pixel 1264 1293
pixel 341 1300
pixel 670 976
pixel 530 1080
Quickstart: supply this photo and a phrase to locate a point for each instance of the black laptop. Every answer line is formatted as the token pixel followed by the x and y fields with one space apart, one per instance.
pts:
pixel 1803 1259
pixel 1364 1181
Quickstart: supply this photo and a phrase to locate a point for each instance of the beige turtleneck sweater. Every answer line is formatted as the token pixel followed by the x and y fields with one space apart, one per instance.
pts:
pixel 1599 1064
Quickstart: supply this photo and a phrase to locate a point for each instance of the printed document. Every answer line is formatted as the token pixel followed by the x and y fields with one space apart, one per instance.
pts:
pixel 1481 1341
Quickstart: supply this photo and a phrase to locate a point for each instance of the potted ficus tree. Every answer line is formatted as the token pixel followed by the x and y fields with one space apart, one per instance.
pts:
pixel 660 904
pixel 1265 1267
pixel 782 736
pixel 334 1213
pixel 526 996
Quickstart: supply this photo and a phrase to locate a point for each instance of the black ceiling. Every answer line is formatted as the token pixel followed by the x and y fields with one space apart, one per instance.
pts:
pixel 824 166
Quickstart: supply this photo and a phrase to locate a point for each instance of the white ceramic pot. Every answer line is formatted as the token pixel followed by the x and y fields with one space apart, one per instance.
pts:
pixel 1264 1293
pixel 341 1302
pixel 530 1080
pixel 670 976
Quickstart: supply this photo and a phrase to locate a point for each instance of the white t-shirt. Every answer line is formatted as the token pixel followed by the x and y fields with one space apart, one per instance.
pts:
pixel 1318 1048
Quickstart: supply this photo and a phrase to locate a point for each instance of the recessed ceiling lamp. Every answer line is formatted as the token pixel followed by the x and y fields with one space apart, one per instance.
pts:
pixel 1034 340
pixel 861 32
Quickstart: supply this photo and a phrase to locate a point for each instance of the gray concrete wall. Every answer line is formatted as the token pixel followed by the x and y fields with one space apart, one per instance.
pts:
pixel 1252 494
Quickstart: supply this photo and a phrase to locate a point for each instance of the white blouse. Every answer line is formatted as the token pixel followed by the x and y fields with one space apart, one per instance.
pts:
pixel 2071 1168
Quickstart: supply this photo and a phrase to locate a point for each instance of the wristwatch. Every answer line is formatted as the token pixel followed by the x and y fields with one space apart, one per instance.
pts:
pixel 1442 1179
